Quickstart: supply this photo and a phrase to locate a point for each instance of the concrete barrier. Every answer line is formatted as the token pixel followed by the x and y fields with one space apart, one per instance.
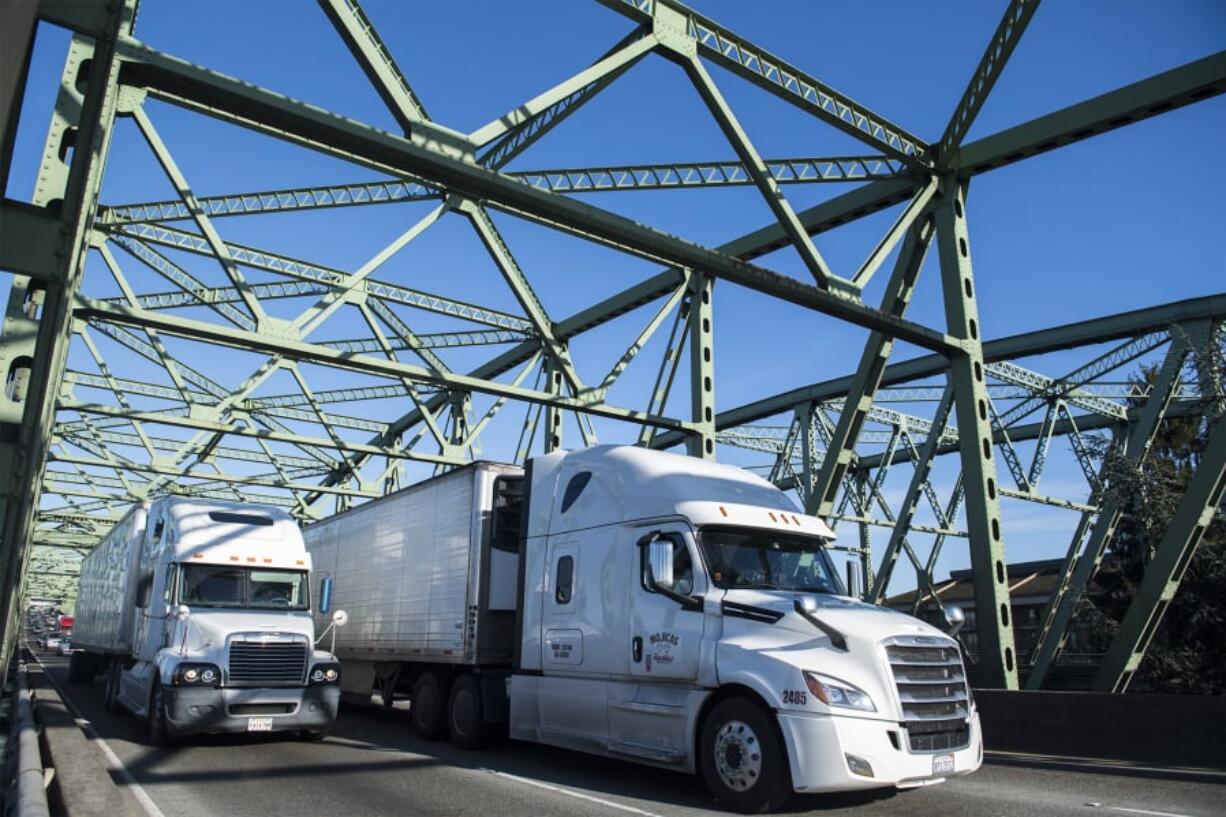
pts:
pixel 1165 730
pixel 31 798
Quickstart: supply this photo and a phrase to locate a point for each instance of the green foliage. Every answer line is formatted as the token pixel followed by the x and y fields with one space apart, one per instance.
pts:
pixel 1186 654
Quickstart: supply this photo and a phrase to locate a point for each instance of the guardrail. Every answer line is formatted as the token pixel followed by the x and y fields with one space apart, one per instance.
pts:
pixel 30 788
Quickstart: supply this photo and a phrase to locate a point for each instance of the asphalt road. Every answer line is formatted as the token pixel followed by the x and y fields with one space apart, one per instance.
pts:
pixel 372 764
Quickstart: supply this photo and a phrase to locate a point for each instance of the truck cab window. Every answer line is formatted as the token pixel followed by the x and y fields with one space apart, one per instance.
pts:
pixel 563 589
pixel 683 566
pixel 574 488
pixel 168 593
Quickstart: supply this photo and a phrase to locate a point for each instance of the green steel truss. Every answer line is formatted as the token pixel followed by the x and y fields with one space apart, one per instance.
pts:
pixel 107 402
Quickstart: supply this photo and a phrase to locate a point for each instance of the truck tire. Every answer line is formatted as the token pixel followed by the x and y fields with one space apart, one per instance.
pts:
pixel 159 731
pixel 81 668
pixel 743 759
pixel 110 698
pixel 465 713
pixel 429 704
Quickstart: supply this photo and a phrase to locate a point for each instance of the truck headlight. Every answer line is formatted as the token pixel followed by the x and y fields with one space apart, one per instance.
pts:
pixel 326 674
pixel 833 692
pixel 203 675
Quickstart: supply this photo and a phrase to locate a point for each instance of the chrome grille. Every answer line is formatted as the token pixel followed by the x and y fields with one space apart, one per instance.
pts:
pixel 931 683
pixel 267 663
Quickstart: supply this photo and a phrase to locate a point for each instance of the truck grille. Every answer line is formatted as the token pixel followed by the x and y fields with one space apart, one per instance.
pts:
pixel 931 683
pixel 267 663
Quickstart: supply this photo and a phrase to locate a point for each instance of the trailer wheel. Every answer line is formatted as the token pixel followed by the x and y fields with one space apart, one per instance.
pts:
pixel 427 711
pixel 81 668
pixel 110 698
pixel 744 762
pixel 159 731
pixel 465 713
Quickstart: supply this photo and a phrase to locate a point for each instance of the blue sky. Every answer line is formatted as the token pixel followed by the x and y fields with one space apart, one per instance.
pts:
pixel 1121 221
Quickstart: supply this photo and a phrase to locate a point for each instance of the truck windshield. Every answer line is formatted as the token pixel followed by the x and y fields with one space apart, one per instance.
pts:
pixel 243 587
pixel 767 560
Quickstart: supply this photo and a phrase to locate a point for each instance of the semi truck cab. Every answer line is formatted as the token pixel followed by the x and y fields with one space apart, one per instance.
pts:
pixel 686 614
pixel 221 636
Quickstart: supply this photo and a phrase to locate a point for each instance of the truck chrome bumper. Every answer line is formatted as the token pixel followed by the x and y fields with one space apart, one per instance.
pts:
pixel 823 748
pixel 197 710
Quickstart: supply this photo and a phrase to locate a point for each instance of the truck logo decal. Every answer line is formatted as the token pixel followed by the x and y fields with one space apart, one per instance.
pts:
pixel 662 646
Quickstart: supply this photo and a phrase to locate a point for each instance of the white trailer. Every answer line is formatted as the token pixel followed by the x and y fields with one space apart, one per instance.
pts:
pixel 651 607
pixel 198 613
pixel 429 577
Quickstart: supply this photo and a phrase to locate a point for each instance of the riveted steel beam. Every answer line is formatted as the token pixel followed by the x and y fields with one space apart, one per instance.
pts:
pixel 1193 82
pixel 34 346
pixel 297 350
pixel 181 83
pixel 745 59
pixel 871 368
pixel 991 65
pixel 966 375
pixel 1026 344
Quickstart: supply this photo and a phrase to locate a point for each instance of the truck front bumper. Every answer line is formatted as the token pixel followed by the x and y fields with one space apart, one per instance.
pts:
pixel 823 749
pixel 197 710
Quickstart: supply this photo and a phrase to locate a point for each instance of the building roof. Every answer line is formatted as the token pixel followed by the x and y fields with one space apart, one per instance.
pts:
pixel 1037 578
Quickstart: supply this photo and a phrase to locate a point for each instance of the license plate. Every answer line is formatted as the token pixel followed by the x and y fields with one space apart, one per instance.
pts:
pixel 265 725
pixel 941 764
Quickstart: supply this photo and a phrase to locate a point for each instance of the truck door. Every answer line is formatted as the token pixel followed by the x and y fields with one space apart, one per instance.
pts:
pixel 573 702
pixel 665 637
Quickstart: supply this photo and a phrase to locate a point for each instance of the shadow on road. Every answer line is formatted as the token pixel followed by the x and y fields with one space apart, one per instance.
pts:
pixel 362 730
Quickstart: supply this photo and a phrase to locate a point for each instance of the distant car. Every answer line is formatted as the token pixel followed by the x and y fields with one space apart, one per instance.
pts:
pixel 66 647
pixel 52 642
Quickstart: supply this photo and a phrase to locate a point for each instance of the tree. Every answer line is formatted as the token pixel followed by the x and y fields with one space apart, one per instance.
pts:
pixel 1185 655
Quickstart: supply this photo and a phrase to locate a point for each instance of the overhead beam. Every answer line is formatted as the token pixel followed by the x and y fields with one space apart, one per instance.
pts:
pixel 182 83
pixel 1193 82
pixel 1025 344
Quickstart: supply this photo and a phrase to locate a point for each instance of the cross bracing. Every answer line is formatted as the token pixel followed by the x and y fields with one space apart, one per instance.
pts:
pixel 151 352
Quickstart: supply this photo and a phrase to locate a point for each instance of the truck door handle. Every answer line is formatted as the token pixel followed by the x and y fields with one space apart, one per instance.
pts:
pixel 636 648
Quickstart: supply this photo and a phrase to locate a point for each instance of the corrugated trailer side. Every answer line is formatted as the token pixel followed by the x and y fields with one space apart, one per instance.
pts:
pixel 104 610
pixel 406 567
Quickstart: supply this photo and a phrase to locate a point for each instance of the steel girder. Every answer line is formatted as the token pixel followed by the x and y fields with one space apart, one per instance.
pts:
pixel 38 328
pixel 105 453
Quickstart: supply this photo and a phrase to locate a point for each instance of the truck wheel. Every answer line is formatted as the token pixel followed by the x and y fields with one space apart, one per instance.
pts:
pixel 80 668
pixel 110 698
pixel 159 731
pixel 465 713
pixel 427 711
pixel 743 759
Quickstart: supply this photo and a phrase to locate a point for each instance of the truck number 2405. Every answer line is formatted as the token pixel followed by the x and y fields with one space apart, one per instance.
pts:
pixel 797 697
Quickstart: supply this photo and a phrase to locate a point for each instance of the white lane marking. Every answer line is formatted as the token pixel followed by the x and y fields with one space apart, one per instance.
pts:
pixel 569 793
pixel 142 797
pixel 1143 811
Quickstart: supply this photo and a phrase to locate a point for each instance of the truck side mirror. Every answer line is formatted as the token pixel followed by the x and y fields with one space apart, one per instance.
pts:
pixel 955 617
pixel 183 612
pixel 340 618
pixel 325 595
pixel 660 560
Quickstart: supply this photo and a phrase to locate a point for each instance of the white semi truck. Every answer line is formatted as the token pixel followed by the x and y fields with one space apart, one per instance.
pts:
pixel 646 606
pixel 198 613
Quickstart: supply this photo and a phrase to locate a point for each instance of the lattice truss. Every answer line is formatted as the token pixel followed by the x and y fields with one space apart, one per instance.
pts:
pixel 114 301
